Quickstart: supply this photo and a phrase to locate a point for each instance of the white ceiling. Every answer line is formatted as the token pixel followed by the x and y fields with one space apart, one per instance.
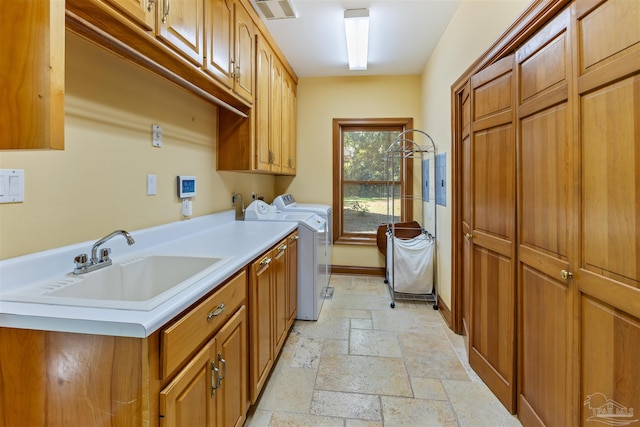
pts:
pixel 402 35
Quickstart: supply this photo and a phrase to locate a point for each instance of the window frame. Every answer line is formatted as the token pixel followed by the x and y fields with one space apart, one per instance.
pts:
pixel 406 176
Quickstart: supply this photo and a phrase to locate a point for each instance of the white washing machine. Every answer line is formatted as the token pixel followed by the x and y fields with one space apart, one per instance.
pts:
pixel 311 249
pixel 286 203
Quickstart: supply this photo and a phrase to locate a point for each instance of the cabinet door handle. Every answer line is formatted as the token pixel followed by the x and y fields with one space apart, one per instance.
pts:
pixel 238 73
pixel 265 262
pixel 150 5
pixel 214 378
pixel 468 236
pixel 282 248
pixel 165 10
pixel 566 274
pixel 296 237
pixel 223 366
pixel 216 312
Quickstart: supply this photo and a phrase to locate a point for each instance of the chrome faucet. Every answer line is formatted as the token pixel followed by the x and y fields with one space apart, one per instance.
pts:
pixel 85 264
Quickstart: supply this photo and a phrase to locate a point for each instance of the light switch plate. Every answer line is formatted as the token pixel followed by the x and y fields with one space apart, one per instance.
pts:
pixel 11 185
pixel 151 185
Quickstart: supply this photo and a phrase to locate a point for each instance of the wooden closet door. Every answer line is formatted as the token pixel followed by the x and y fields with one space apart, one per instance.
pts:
pixel 466 217
pixel 492 151
pixel 608 270
pixel 545 298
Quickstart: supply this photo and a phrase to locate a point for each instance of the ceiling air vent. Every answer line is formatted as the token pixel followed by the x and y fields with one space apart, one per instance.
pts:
pixel 276 9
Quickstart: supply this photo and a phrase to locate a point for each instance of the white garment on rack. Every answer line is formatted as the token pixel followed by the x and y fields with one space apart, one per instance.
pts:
pixel 412 269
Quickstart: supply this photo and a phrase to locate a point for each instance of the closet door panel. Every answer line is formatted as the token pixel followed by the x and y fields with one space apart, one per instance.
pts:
pixel 545 350
pixel 607 32
pixel 609 370
pixel 494 183
pixel 608 271
pixel 610 191
pixel 546 195
pixel 467 228
pixel 545 182
pixel 493 204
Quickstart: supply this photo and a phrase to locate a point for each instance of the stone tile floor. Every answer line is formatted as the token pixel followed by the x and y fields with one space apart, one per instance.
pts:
pixel 365 364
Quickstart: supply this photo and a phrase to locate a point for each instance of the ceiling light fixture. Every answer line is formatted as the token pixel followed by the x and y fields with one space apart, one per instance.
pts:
pixel 356 25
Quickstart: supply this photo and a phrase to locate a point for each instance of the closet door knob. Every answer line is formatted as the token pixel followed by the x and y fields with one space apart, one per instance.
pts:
pixel 566 274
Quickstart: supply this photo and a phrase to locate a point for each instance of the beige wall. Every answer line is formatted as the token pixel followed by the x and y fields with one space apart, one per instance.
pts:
pixel 320 100
pixel 475 26
pixel 98 182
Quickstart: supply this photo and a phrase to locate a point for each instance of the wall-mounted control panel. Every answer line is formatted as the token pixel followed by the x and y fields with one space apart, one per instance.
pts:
pixel 186 186
pixel 441 179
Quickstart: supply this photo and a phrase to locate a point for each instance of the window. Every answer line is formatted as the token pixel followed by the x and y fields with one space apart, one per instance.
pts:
pixel 360 178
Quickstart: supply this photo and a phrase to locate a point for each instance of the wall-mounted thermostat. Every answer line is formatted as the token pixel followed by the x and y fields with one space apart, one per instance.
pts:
pixel 186 186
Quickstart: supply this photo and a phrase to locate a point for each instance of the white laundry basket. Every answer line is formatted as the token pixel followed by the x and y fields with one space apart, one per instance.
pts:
pixel 410 267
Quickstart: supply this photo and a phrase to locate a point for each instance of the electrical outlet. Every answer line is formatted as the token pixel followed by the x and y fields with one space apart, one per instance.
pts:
pixel 234 199
pixel 253 195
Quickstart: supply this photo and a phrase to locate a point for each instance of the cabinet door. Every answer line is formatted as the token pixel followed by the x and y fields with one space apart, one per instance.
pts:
pixel 232 362
pixel 292 271
pixel 288 136
pixel 261 301
pixel 276 115
pixel 188 399
pixel 545 299
pixel 218 36
pixel 32 74
pixel 492 338
pixel 142 12
pixel 262 106
pixel 607 262
pixel 245 53
pixel 281 278
pixel 180 25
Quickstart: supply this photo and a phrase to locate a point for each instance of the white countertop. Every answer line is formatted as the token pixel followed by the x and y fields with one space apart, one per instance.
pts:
pixel 216 235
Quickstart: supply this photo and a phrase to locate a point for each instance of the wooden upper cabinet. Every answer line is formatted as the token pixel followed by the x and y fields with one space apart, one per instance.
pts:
pixel 288 126
pixel 229 39
pixel 245 53
pixel 264 142
pixel 219 40
pixel 180 24
pixel 32 74
pixel 276 116
pixel 262 106
pixel 142 12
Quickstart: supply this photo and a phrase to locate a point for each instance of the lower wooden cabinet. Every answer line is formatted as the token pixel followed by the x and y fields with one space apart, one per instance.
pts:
pixel 211 390
pixel 270 306
pixel 292 285
pixel 194 371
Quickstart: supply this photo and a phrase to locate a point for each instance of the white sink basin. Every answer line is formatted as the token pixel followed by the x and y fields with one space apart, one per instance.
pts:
pixel 140 283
